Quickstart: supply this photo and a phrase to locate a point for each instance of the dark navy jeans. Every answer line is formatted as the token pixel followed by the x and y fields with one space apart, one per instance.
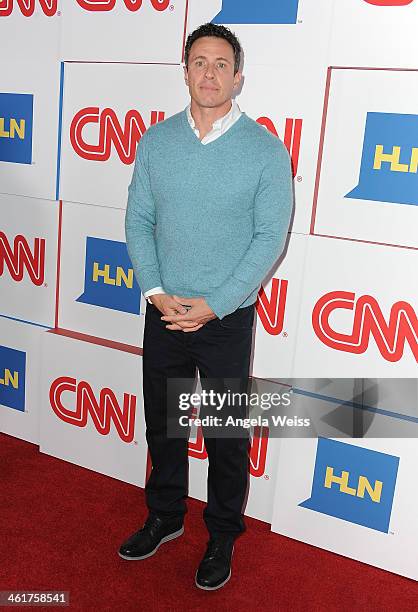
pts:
pixel 220 349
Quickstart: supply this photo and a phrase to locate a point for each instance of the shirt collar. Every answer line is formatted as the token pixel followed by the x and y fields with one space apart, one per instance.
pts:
pixel 220 123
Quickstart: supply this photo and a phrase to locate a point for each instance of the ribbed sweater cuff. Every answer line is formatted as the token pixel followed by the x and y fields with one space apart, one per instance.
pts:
pixel 228 297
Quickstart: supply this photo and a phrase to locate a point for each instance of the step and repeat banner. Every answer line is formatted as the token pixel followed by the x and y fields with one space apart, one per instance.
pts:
pixel 337 82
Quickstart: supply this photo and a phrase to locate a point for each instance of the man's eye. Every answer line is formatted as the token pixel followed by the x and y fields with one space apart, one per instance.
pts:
pixel 221 65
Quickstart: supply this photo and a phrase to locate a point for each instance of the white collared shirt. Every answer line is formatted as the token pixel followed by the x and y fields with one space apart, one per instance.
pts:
pixel 219 127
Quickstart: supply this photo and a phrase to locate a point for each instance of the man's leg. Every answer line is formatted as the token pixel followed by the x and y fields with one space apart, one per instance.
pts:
pixel 165 356
pixel 222 350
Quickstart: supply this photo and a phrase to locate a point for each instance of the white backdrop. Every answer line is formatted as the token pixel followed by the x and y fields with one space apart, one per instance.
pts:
pixel 28 251
pixel 367 108
pixel 342 521
pixel 336 80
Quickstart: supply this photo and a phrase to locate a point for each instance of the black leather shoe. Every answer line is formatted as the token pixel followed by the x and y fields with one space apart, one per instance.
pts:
pixel 215 568
pixel 145 542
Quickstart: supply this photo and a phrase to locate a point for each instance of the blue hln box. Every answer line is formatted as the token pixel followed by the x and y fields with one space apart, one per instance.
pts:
pixel 354 484
pixel 16 122
pixel 109 280
pixel 389 161
pixel 12 378
pixel 258 12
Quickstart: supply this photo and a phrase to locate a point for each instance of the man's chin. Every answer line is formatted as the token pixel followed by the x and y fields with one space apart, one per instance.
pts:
pixel 205 103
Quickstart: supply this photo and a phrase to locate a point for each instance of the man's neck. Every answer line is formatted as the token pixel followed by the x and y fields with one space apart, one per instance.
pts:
pixel 204 118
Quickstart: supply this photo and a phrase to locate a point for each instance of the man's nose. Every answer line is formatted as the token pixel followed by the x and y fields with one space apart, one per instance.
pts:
pixel 209 72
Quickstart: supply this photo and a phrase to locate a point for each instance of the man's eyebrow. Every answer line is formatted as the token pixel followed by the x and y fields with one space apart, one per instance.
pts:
pixel 204 57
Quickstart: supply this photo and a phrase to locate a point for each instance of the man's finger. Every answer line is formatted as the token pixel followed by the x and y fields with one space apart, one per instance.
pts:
pixel 188 323
pixel 184 324
pixel 176 327
pixel 175 318
pixel 184 300
pixel 192 329
pixel 180 309
pixel 175 311
pixel 170 311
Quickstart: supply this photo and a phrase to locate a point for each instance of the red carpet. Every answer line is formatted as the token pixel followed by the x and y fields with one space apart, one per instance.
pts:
pixel 62 525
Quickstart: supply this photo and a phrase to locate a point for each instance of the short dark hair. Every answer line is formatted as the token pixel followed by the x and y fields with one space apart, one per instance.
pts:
pixel 220 31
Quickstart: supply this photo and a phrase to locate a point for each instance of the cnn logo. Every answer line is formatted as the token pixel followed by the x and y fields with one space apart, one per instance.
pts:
pixel 257 453
pixel 125 133
pixel 390 335
pixel 21 257
pixel 103 410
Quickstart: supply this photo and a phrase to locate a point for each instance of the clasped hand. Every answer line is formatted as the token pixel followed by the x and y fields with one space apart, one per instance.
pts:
pixel 179 317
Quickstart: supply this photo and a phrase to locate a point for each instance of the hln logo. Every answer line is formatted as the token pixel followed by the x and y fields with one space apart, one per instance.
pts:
pixel 354 484
pixel 389 163
pixel 375 492
pixel 16 117
pixel 12 378
pixel 109 279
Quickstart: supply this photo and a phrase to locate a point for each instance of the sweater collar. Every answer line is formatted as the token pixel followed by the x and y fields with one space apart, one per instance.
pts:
pixel 221 125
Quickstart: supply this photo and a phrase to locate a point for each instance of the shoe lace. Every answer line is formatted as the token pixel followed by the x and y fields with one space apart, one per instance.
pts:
pixel 151 522
pixel 218 547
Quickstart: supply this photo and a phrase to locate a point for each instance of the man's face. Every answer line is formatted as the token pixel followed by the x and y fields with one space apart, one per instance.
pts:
pixel 210 73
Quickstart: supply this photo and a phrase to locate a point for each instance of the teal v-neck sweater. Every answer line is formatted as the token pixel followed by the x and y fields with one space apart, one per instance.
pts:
pixel 208 220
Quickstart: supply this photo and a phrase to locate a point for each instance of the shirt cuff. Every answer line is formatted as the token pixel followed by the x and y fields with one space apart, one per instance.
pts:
pixel 153 291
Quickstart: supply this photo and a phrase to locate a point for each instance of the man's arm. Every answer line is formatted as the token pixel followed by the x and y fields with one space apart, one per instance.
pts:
pixel 139 228
pixel 140 223
pixel 272 213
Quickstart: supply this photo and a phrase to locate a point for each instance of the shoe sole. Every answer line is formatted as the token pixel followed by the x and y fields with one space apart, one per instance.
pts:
pixel 171 536
pixel 206 588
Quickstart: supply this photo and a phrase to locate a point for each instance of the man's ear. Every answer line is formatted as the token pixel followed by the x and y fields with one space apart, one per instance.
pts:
pixel 186 77
pixel 237 78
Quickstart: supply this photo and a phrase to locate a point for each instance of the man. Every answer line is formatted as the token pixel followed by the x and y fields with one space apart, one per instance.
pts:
pixel 207 216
